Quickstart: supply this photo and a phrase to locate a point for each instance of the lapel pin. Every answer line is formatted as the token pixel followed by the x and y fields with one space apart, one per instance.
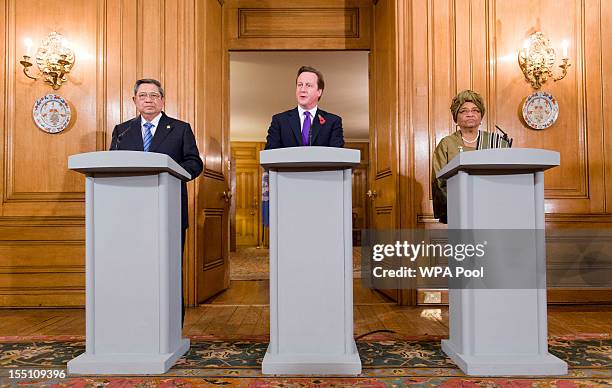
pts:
pixel 168 126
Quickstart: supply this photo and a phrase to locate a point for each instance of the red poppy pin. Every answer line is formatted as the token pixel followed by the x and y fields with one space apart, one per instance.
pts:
pixel 321 120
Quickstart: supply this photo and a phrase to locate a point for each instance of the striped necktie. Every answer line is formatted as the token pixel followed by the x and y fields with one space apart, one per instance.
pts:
pixel 148 136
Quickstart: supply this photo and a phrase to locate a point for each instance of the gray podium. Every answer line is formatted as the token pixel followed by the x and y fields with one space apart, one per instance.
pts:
pixel 133 262
pixel 311 269
pixel 501 331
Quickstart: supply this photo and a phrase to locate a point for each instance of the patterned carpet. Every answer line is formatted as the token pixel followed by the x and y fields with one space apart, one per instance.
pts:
pixel 386 363
pixel 250 263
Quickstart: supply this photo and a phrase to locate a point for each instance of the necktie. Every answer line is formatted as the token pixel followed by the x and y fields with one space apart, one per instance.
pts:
pixel 306 129
pixel 148 136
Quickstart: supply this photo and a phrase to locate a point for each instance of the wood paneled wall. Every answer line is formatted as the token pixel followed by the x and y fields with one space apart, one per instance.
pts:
pixel 423 52
pixel 298 25
pixel 182 44
pixel 42 208
pixel 41 224
pixel 460 44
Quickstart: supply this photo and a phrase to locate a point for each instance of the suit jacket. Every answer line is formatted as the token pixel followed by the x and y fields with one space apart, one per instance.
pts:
pixel 173 138
pixel 286 131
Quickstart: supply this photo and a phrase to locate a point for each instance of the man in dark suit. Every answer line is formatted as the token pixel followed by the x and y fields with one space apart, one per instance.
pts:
pixel 153 131
pixel 307 124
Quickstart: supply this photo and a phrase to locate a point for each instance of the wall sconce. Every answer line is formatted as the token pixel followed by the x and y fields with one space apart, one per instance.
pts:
pixel 536 59
pixel 54 59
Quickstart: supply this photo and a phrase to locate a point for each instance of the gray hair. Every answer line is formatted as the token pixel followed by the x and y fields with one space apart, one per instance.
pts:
pixel 149 81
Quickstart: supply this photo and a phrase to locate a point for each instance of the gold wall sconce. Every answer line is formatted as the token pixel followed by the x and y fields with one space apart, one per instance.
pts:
pixel 537 58
pixel 54 60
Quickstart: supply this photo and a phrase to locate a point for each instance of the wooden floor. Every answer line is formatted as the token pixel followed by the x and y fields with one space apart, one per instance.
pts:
pixel 242 312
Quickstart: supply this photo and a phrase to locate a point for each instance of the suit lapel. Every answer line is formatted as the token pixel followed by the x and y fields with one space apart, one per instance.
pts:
pixel 163 129
pixel 316 125
pixel 294 121
pixel 133 138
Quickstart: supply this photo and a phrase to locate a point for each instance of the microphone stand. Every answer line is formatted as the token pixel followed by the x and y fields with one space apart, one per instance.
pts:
pixel 119 137
pixel 505 136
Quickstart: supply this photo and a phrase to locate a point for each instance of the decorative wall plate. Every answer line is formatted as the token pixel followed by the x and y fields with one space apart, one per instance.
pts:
pixel 540 110
pixel 51 113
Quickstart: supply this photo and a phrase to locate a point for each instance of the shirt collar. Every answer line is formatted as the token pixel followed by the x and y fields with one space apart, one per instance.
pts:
pixel 312 111
pixel 155 121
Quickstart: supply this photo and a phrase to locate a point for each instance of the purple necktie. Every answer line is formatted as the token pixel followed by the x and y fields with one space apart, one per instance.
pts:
pixel 306 129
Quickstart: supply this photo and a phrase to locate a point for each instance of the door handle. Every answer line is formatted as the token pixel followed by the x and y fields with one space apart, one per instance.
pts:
pixel 227 195
pixel 371 194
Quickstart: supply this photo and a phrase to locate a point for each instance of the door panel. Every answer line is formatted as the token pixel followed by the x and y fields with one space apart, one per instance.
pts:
pixel 383 125
pixel 212 233
pixel 247 205
pixel 248 192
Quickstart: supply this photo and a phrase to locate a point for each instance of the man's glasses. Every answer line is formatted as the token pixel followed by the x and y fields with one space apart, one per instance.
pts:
pixel 153 96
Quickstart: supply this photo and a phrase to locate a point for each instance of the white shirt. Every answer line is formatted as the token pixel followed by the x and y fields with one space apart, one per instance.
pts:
pixel 301 111
pixel 155 122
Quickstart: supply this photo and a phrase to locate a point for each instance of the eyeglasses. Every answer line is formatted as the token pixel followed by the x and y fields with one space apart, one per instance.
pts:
pixel 153 96
pixel 466 111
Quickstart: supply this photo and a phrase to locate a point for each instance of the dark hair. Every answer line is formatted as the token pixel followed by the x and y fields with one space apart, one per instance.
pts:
pixel 149 81
pixel 308 69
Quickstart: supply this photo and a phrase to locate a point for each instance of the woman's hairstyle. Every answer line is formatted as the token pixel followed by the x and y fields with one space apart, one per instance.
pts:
pixel 467 96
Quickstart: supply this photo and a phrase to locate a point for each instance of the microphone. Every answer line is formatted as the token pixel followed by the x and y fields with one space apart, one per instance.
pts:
pixel 505 136
pixel 310 132
pixel 310 136
pixel 120 136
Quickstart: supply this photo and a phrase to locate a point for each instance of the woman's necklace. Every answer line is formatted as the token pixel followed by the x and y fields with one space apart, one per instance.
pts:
pixel 469 141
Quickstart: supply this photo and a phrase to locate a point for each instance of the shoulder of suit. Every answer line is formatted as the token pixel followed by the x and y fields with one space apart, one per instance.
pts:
pixel 327 115
pixel 285 113
pixel 175 122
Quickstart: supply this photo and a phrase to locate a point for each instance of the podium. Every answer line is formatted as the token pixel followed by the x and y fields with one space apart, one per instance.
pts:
pixel 133 262
pixel 311 269
pixel 501 331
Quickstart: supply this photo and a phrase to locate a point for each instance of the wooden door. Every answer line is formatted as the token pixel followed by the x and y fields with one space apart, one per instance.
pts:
pixel 384 150
pixel 248 192
pixel 233 205
pixel 212 215
pixel 247 205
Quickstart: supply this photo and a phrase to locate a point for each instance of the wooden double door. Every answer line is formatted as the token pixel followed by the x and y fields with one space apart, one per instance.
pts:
pixel 333 25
